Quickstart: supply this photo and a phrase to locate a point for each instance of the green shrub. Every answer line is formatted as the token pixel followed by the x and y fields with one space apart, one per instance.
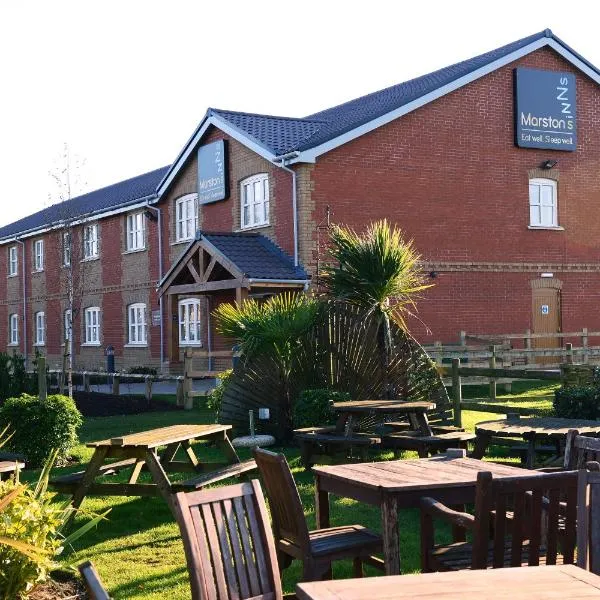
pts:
pixel 214 398
pixel 313 407
pixel 40 426
pixel 577 402
pixel 141 370
pixel 13 377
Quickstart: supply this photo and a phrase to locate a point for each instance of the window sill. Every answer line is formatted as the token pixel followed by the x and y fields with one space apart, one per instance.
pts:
pixel 179 242
pixel 36 271
pixel 549 227
pixel 190 345
pixel 91 345
pixel 90 259
pixel 36 345
pixel 12 276
pixel 252 228
pixel 134 251
pixel 133 345
pixel 15 345
pixel 65 266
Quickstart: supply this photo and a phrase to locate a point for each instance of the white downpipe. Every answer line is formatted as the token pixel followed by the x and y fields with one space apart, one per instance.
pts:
pixel 23 270
pixel 276 162
pixel 160 276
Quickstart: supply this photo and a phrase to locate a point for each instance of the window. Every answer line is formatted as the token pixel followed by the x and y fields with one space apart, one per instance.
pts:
pixel 542 203
pixel 137 324
pixel 13 329
pixel 189 322
pixel 90 241
pixel 255 201
pixel 13 261
pixel 135 232
pixel 66 249
pixel 92 325
pixel 67 325
pixel 38 255
pixel 40 328
pixel 186 212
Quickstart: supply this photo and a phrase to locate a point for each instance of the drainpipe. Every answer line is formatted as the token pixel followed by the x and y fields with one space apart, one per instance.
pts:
pixel 282 160
pixel 160 276
pixel 23 270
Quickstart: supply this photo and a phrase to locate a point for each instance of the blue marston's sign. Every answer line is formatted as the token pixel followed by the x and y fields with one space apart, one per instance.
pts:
pixel 212 172
pixel 545 110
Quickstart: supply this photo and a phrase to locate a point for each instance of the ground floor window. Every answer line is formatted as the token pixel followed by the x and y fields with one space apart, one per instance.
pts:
pixel 40 328
pixel 137 324
pixel 189 322
pixel 92 325
pixel 13 329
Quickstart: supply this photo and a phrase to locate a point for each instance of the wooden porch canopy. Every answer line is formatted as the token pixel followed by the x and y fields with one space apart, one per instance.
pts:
pixel 223 261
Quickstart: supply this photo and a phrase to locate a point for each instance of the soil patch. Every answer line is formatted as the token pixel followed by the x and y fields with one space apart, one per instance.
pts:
pixel 63 586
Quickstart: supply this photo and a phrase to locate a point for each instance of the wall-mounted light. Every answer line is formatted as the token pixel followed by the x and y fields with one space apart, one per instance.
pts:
pixel 433 274
pixel 549 164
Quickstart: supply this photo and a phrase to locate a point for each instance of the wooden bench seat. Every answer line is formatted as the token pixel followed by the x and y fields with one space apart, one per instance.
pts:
pixel 108 469
pixel 404 426
pixel 427 444
pixel 205 479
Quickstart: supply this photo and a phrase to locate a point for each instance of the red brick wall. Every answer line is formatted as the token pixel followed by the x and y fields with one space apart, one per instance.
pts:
pixel 450 176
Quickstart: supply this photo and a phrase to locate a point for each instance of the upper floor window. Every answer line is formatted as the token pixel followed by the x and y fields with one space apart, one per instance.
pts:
pixel 135 231
pixel 92 325
pixel 543 203
pixel 68 325
pixel 38 255
pixel 189 322
pixel 90 241
pixel 137 324
pixel 186 217
pixel 13 261
pixel 40 328
pixel 66 249
pixel 13 329
pixel 255 201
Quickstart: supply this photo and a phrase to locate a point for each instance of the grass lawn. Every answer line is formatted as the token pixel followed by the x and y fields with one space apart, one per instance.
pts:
pixel 138 551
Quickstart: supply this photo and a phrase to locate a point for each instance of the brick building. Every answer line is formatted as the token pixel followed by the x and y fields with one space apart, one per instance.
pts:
pixel 490 165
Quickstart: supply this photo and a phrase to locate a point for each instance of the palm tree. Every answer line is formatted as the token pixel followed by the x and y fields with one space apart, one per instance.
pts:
pixel 378 271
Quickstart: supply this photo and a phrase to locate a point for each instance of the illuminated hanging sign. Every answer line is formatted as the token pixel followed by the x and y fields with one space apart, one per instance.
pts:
pixel 213 172
pixel 545 110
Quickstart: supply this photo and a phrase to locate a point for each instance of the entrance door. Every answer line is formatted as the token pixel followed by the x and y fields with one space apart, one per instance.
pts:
pixel 546 319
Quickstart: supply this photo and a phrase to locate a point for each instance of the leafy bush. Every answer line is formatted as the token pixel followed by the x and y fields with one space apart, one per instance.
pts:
pixel 215 397
pixel 141 370
pixel 313 407
pixel 577 402
pixel 40 426
pixel 13 377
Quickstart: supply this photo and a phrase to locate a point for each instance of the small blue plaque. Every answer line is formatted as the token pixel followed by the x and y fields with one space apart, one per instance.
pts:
pixel 213 172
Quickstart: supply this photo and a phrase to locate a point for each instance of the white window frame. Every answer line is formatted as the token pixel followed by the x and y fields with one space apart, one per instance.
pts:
pixel 67 326
pixel 538 206
pixel 90 241
pixel 66 249
pixel 186 224
pixel 38 255
pixel 40 328
pixel 137 324
pixel 190 322
pixel 13 261
pixel 136 232
pixel 254 209
pixel 13 329
pixel 91 316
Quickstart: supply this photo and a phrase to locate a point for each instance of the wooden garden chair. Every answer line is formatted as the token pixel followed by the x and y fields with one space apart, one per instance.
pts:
pixel 92 581
pixel 588 518
pixel 579 450
pixel 316 549
pixel 515 523
pixel 228 543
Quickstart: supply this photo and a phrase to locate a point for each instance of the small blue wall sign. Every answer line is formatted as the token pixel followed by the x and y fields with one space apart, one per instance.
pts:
pixel 213 172
pixel 545 110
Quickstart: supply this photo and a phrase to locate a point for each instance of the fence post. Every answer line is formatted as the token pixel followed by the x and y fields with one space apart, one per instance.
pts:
pixel 492 379
pixel 456 392
pixel 179 392
pixel 569 353
pixel 584 344
pixel 507 364
pixel 148 389
pixel 527 344
pixel 42 382
pixel 188 400
pixel 86 381
pixel 116 380
pixel 463 338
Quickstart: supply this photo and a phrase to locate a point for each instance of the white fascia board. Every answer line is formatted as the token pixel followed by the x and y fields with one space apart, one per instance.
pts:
pixel 193 142
pixel 310 155
pixel 96 216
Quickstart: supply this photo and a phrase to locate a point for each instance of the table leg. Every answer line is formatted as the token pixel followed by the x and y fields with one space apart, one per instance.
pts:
pixel 481 445
pixel 228 450
pixel 90 474
pixel 168 454
pixel 159 476
pixel 190 453
pixel 137 469
pixel 423 424
pixel 321 505
pixel 391 534
pixel 530 439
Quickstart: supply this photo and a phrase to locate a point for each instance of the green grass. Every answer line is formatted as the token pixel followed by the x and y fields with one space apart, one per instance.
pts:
pixel 138 551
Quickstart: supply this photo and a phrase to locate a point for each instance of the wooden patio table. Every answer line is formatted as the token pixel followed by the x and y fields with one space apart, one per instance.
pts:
pixel 566 582
pixel 139 451
pixel 8 467
pixel 532 430
pixel 391 485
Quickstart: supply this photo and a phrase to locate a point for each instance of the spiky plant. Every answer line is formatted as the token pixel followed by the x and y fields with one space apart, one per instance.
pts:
pixel 379 271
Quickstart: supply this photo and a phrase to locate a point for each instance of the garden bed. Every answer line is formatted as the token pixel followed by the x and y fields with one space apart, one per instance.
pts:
pixel 96 404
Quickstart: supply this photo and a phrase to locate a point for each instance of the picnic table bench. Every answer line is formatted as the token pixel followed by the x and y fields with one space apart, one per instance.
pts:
pixel 138 452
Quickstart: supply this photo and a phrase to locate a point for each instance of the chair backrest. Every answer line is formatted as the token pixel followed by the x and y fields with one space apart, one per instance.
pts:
pixel 588 518
pixel 228 543
pixel 93 583
pixel 284 500
pixel 580 449
pixel 536 503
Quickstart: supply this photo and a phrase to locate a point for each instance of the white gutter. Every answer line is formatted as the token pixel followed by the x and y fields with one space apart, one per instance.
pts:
pixel 294 281
pixel 23 269
pixel 160 276
pixel 282 159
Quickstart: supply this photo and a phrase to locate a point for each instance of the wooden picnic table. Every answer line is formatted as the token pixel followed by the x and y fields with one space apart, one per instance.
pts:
pixel 8 467
pixel 532 430
pixel 391 485
pixel 138 451
pixel 566 582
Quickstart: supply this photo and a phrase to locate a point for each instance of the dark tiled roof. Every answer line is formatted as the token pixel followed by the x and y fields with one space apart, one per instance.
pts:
pixel 281 135
pixel 256 256
pixel 112 196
